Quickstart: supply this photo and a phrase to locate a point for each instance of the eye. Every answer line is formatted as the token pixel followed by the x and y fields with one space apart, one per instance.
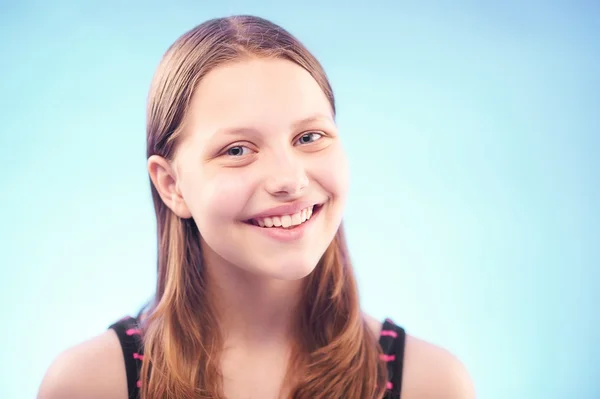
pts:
pixel 237 151
pixel 309 138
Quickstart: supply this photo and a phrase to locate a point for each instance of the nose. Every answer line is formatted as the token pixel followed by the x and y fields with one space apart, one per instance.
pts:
pixel 287 177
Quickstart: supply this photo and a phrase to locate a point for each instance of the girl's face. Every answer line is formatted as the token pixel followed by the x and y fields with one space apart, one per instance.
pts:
pixel 260 168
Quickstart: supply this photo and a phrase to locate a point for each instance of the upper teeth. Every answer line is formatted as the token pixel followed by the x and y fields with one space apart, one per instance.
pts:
pixel 286 220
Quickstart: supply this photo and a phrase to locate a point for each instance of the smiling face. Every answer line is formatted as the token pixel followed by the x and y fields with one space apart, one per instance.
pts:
pixel 260 168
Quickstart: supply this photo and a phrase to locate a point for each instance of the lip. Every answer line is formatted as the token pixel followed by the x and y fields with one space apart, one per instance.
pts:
pixel 283 234
pixel 287 209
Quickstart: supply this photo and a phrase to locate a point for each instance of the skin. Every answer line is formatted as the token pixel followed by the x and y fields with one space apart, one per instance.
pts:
pixel 275 115
pixel 281 149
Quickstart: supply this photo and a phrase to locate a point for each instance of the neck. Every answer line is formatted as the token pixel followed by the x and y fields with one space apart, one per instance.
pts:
pixel 252 310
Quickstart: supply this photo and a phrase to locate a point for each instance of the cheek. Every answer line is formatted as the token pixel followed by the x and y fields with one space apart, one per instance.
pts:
pixel 331 172
pixel 219 198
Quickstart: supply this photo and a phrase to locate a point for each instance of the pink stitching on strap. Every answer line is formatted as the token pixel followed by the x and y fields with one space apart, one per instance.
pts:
pixel 389 333
pixel 387 358
pixel 133 331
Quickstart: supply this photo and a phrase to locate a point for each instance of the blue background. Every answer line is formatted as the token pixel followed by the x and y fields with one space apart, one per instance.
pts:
pixel 473 131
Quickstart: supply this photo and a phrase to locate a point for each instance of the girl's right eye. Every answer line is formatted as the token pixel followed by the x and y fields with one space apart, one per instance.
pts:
pixel 237 151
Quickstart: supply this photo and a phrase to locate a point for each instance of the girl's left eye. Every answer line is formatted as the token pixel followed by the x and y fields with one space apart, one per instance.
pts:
pixel 309 138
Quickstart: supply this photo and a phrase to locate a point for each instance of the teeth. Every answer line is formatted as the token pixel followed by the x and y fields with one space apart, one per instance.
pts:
pixel 286 221
pixel 297 218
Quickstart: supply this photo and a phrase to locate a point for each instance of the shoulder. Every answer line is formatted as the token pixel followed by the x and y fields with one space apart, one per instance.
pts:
pixel 92 369
pixel 429 371
pixel 432 372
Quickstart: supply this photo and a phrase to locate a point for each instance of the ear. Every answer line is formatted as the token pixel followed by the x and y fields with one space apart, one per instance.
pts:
pixel 164 178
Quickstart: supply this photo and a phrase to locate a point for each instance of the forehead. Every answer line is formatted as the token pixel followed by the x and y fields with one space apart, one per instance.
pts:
pixel 259 93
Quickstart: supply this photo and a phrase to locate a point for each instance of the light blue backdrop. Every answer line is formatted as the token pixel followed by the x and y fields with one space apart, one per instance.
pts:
pixel 473 132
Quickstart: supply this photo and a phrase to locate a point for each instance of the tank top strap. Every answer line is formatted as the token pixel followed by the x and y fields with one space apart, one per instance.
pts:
pixel 392 341
pixel 129 335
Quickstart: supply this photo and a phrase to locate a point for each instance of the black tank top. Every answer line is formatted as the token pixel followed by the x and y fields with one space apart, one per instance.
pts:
pixel 391 340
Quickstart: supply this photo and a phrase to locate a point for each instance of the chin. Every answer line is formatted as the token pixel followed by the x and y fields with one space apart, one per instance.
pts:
pixel 292 270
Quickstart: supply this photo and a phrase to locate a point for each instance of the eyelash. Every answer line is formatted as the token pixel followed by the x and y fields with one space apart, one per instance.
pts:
pixel 319 134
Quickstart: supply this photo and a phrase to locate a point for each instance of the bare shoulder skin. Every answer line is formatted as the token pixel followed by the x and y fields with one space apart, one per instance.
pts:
pixel 430 371
pixel 433 372
pixel 94 369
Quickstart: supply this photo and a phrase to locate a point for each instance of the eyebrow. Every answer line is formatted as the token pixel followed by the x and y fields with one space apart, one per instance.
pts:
pixel 295 125
pixel 313 118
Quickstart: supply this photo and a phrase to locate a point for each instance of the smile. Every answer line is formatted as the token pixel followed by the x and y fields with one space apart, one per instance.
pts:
pixel 287 221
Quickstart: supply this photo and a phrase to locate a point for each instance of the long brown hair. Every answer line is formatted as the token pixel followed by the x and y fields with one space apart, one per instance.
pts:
pixel 338 355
